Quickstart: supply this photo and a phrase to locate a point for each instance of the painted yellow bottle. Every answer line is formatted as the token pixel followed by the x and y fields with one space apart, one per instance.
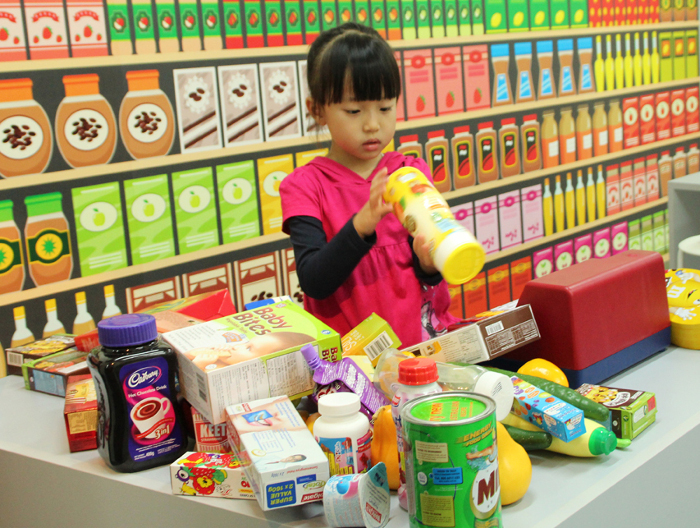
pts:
pixel 22 334
pixel 590 195
pixel 83 320
pixel 646 59
pixel 638 75
pixel 619 63
pixel 558 205
pixel 597 440
pixel 600 193
pixel 580 199
pixel 547 209
pixel 53 325
pixel 655 66
pixel 599 66
pixel 570 199
pixel 422 210
pixel 629 68
pixel 3 364
pixel 609 64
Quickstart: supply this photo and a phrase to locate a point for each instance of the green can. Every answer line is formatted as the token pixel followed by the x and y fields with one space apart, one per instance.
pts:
pixel 452 461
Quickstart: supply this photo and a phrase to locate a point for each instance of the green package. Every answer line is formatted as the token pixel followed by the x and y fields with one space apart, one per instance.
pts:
pixel 238 203
pixel 378 18
pixel 477 17
pixel 691 51
pixel 292 22
pixel 647 234
pixel 667 231
pixel 329 16
pixel 539 15
pixel 119 23
pixel 189 20
pixel 195 210
pixel 312 20
pixel 679 55
pixel 560 14
pixel 465 20
pixel 393 19
pixel 345 11
pixel 658 230
pixel 212 22
pixel 635 240
pixel 362 13
pixel 437 18
pixel 423 18
pixel 166 26
pixel 666 60
pixel 408 19
pixel 578 10
pixel 149 219
pixel 100 228
pixel 252 11
pixel 518 18
pixel 273 22
pixel 143 15
pixel 451 23
pixel 495 16
pixel 233 25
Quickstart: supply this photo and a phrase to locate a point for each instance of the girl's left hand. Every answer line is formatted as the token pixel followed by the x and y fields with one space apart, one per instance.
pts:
pixel 422 251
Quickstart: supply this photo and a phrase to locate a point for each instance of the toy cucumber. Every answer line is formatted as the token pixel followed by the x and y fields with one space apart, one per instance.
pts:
pixel 530 440
pixel 592 410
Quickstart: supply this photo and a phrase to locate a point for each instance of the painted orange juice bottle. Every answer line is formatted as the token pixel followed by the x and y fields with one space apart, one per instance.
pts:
pixel 422 210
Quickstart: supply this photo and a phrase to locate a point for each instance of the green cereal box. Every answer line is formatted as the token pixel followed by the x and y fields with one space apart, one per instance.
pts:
pixel 658 232
pixel 408 19
pixel 464 17
pixel 345 11
pixel 635 237
pixel 195 210
pixel 292 22
pixel 273 23
pixel 679 55
pixel 238 201
pixel 477 17
pixel 149 219
pixel 539 15
pixel 578 10
pixel 100 228
pixel 691 51
pixel 250 355
pixel 252 12
pixel 329 15
pixel 631 411
pixel 423 18
pixel 393 19
pixel 233 25
pixel 437 18
pixel 647 234
pixel 495 13
pixel 518 19
pixel 451 23
pixel 560 14
pixel 311 21
pixel 378 16
pixel 372 337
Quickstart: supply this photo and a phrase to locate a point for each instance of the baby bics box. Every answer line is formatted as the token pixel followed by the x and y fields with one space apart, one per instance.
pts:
pixel 249 355
pixel 548 412
pixel 282 461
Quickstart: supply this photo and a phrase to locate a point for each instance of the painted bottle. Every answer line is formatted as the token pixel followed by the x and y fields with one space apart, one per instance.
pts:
pixel 437 149
pixel 547 209
pixel 463 155
pixel 53 325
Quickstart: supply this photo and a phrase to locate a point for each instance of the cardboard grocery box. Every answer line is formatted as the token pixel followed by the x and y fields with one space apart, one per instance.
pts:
pixel 248 356
pixel 484 339
pixel 50 374
pixel 209 475
pixel 80 413
pixel 631 411
pixel 282 461
pixel 209 438
pixel 372 337
pixel 17 356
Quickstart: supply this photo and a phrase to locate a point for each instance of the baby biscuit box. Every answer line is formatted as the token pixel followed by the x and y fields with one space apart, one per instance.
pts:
pixel 546 411
pixel 209 475
pixel 248 356
pixel 282 461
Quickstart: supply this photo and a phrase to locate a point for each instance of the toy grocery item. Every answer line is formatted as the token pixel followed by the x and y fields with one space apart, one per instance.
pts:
pixel 544 369
pixel 439 429
pixel 80 413
pixel 385 445
pixel 683 293
pixel 358 500
pixel 50 374
pixel 474 378
pixel 343 433
pixel 417 377
pixel 371 337
pixel 514 467
pixel 422 210
pixel 208 437
pixel 203 474
pixel 27 143
pixel 140 424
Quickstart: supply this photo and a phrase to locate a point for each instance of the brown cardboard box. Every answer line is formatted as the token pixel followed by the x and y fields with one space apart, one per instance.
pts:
pixel 38 349
pixel 80 413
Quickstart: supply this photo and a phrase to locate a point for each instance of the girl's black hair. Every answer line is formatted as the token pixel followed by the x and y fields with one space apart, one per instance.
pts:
pixel 352 53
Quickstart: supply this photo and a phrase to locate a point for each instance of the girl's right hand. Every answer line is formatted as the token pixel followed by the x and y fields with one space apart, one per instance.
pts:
pixel 366 220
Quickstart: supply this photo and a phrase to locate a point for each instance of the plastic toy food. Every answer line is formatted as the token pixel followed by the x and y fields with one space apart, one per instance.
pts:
pixel 384 445
pixel 544 369
pixel 514 466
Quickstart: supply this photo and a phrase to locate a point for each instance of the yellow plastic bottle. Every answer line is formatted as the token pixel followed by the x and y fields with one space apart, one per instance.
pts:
pixel 638 76
pixel 558 205
pixel 629 68
pixel 547 209
pixel 580 199
pixel 590 195
pixel 609 64
pixel 600 193
pixel 646 60
pixel 570 199
pixel 422 210
pixel 655 65
pixel 597 440
pixel 619 63
pixel 599 65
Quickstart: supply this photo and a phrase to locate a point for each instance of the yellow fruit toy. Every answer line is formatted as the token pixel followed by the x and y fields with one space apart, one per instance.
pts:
pixel 310 421
pixel 385 446
pixel 514 467
pixel 544 369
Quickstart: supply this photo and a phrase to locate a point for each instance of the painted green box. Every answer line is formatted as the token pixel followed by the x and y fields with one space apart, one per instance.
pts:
pixel 464 17
pixel 635 238
pixel 647 234
pixel 477 17
pixel 679 55
pixel 273 23
pixel 408 19
pixel 329 14
pixel 666 56
pixel 495 16
pixel 312 20
pixel 362 12
pixel 378 16
pixel 518 16
pixel 393 19
pixel 667 231
pixel 149 218
pixel 691 50
pixel 437 18
pixel 659 235
pixel 423 18
pixel 292 22
pixel 99 227
pixel 238 202
pixel 560 14
pixel 578 10
pixel 195 210
pixel 631 411
pixel 539 15
pixel 451 22
pixel 345 12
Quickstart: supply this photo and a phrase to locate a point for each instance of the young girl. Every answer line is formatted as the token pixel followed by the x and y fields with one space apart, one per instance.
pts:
pixel 353 257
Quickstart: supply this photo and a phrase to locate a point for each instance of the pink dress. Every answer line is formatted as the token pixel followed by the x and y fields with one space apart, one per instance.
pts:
pixel 384 282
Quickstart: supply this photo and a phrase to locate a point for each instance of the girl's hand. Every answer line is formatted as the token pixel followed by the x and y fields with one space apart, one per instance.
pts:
pixel 366 220
pixel 422 250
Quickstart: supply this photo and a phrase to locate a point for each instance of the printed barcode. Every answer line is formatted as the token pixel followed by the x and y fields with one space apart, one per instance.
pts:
pixel 378 345
pixel 495 327
pixel 202 386
pixel 14 359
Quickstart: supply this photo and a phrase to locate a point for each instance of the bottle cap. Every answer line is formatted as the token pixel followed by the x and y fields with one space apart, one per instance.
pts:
pixel 127 330
pixel 530 117
pixel 459 257
pixel 436 134
pixel 461 129
pixel 485 125
pixel 499 388
pixel 508 121
pixel 602 442
pixel 680 149
pixel 418 371
pixel 311 356
pixel 412 138
pixel 339 404
pixel 665 152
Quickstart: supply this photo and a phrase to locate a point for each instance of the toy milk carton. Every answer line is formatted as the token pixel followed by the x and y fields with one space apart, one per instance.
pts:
pixel 546 411
pixel 282 461
pixel 248 356
pixel 372 337
pixel 631 411
pixel 209 475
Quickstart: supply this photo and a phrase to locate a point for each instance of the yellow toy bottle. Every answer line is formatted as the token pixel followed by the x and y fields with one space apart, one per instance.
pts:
pixel 655 65
pixel 558 205
pixel 570 199
pixel 646 60
pixel 609 64
pixel 629 68
pixel 637 62
pixel 547 209
pixel 580 199
pixel 590 195
pixel 599 65
pixel 619 63
pixel 600 193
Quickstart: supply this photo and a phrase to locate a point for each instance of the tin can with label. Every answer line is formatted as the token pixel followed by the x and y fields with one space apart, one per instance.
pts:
pixel 452 461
